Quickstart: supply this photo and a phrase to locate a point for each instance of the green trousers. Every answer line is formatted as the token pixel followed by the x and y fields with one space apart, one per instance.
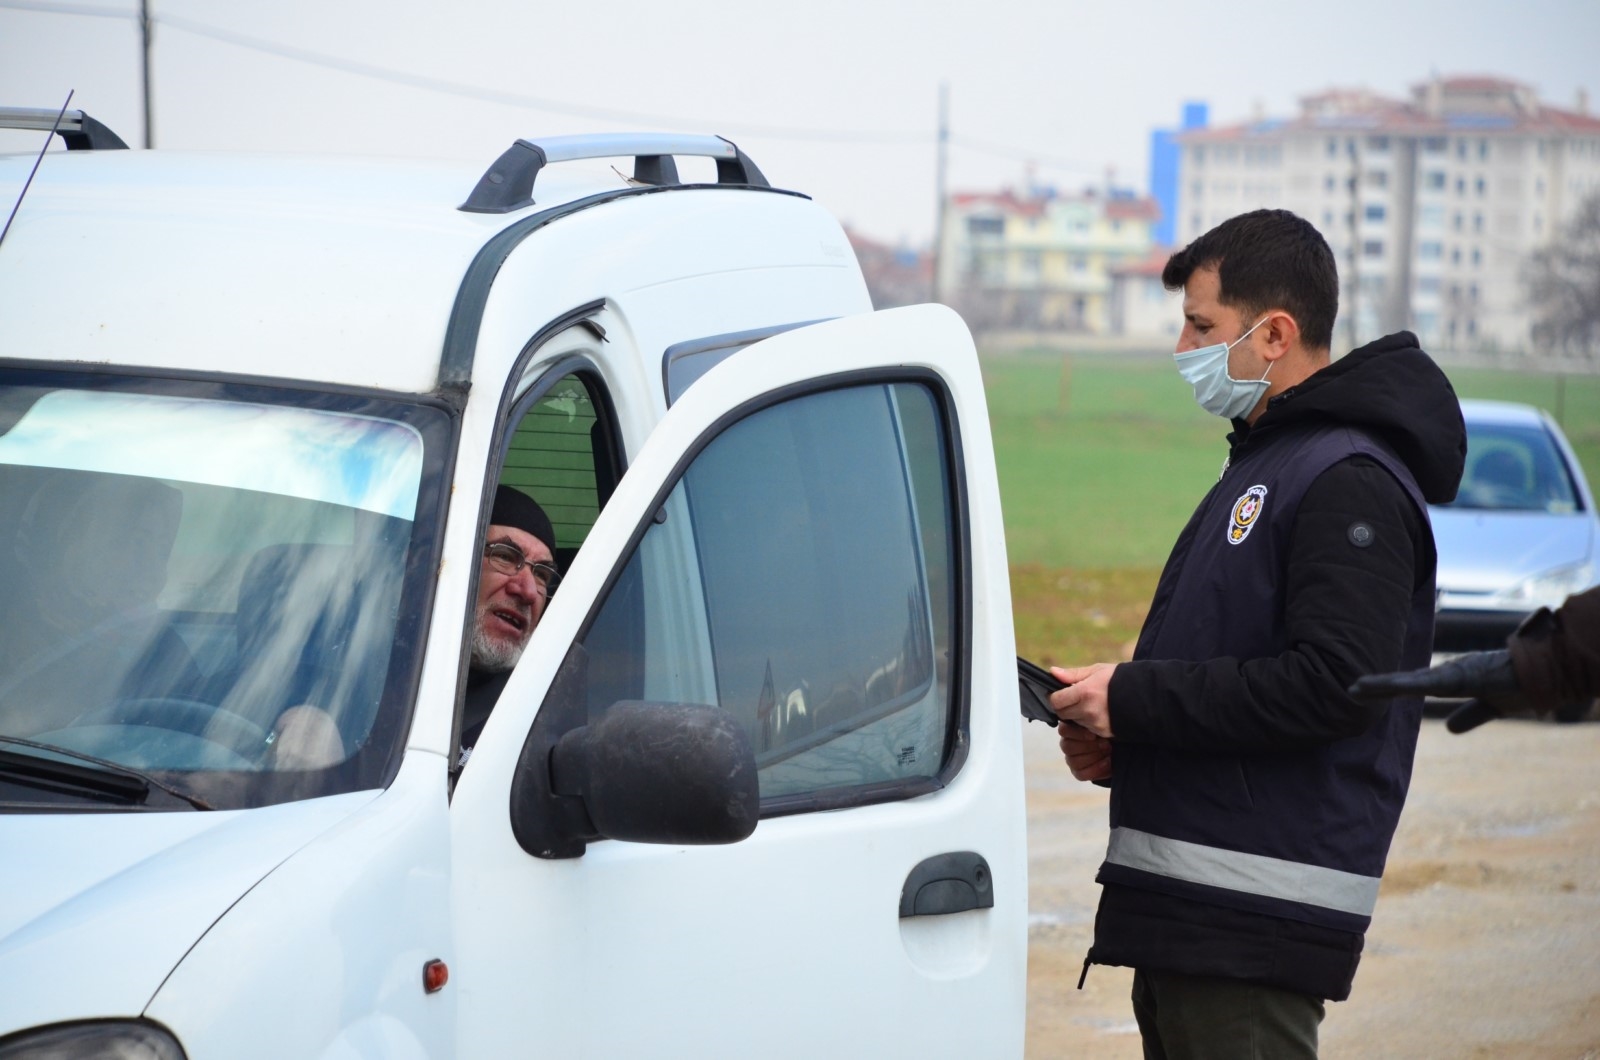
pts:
pixel 1188 1017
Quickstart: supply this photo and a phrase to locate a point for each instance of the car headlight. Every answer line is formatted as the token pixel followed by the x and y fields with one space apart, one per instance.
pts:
pixel 1549 588
pixel 99 1040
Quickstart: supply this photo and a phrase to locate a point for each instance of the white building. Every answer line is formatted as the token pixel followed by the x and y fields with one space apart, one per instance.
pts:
pixel 1430 205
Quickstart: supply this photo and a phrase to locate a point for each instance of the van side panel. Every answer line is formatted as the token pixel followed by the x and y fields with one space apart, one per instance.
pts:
pixel 324 957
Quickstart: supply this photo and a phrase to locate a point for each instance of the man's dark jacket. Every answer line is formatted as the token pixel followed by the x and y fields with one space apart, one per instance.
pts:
pixel 1252 799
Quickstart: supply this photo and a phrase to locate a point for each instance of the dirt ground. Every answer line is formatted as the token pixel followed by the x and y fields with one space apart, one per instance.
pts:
pixel 1486 940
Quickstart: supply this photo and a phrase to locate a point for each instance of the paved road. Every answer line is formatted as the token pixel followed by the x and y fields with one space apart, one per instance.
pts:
pixel 1486 941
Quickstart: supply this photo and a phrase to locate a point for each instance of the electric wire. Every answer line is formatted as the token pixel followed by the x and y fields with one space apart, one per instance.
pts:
pixel 883 137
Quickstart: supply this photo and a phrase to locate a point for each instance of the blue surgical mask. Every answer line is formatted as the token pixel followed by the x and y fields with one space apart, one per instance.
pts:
pixel 1219 393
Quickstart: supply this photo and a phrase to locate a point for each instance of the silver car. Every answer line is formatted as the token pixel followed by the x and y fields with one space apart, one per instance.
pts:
pixel 1521 533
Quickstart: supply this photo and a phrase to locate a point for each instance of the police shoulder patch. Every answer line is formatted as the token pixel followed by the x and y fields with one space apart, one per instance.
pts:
pixel 1246 510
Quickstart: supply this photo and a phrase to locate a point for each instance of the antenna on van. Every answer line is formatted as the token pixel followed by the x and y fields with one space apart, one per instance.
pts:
pixel 29 182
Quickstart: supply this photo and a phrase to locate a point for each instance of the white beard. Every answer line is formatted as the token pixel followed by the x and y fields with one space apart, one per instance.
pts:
pixel 491 655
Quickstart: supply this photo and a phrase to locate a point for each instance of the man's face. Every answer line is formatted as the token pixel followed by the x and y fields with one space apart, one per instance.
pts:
pixel 1206 321
pixel 509 605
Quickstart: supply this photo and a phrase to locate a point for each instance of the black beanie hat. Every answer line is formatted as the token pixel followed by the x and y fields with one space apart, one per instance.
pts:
pixel 512 507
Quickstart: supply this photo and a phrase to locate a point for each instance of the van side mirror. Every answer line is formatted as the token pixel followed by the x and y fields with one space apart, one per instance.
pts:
pixel 644 773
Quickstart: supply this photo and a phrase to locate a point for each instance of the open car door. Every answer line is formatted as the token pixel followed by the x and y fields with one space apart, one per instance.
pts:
pixel 811 542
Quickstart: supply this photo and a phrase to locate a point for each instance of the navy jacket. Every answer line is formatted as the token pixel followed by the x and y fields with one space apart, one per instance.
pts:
pixel 1253 801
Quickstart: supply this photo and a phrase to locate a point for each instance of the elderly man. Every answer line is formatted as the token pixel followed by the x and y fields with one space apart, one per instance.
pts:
pixel 518 575
pixel 1252 798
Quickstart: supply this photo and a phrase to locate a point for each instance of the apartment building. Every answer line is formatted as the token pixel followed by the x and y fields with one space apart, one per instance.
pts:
pixel 1431 204
pixel 1040 259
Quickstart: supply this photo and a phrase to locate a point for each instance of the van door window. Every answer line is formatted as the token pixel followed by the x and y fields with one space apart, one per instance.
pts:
pixel 800 576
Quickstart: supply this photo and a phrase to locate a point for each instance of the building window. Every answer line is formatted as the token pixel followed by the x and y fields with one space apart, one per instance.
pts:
pixel 1430 251
pixel 1483 149
pixel 1378 178
pixel 1333 147
pixel 1461 185
pixel 1374 211
pixel 1477 257
pixel 1327 219
pixel 1434 180
pixel 1461 150
pixel 1430 217
pixel 1372 248
pixel 986 226
pixel 1435 144
pixel 1427 285
pixel 1455 221
pixel 1455 255
pixel 1481 186
pixel 1329 184
pixel 1377 143
pixel 1477 222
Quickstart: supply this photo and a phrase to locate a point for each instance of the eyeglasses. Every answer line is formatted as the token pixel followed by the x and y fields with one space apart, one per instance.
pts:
pixel 508 559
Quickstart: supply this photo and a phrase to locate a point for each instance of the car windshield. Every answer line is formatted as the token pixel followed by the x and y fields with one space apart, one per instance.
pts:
pixel 1512 468
pixel 209 591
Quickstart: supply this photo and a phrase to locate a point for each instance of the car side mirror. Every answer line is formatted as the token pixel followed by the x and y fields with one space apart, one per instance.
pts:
pixel 644 773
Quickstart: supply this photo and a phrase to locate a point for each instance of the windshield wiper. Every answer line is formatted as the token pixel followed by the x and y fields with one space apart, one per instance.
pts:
pixel 98 775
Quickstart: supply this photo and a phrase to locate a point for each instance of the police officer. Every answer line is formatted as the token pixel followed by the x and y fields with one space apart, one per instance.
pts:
pixel 1252 797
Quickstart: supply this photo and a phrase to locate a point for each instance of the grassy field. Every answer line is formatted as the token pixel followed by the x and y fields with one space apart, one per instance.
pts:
pixel 1102 460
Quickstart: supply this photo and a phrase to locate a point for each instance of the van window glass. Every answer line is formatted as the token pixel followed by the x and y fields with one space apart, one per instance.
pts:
pixel 799 576
pixel 552 459
pixel 195 585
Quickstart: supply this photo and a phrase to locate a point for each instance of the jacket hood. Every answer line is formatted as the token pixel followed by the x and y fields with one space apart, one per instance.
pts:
pixel 1394 392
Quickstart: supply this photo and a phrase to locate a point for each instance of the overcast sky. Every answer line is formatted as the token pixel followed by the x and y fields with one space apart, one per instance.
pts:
pixel 838 99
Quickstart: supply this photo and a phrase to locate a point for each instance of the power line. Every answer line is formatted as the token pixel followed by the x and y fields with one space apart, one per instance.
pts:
pixel 515 99
pixel 553 106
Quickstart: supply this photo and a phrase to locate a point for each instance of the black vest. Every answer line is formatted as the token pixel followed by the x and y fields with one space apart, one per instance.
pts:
pixel 1301 835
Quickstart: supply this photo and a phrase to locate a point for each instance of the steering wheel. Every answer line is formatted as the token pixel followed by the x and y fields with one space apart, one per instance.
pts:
pixel 205 720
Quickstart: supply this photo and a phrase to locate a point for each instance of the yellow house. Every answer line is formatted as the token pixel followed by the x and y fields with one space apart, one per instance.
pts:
pixel 1043 261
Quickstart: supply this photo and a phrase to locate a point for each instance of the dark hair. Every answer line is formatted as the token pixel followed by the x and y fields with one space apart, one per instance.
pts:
pixel 1267 259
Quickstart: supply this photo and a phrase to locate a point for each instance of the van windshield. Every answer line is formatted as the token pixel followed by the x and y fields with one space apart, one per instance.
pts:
pixel 209 591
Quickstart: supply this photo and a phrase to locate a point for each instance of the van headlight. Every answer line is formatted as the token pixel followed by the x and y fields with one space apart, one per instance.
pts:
pixel 99 1040
pixel 1549 588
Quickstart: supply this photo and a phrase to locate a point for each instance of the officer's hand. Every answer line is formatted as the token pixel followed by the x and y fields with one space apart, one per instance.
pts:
pixel 1084 700
pixel 1486 676
pixel 1087 755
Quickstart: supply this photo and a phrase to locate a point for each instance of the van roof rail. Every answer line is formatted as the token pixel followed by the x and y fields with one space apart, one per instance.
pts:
pixel 81 132
pixel 508 184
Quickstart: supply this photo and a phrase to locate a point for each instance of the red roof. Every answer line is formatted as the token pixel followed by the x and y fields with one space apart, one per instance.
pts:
pixel 1149 265
pixel 1004 201
pixel 1133 209
pixel 1359 110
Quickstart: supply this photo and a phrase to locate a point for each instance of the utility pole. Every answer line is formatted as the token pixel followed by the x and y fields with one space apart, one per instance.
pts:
pixel 144 35
pixel 938 189
pixel 1354 300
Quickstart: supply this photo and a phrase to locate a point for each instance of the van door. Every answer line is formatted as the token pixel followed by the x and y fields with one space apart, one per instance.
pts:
pixel 810 540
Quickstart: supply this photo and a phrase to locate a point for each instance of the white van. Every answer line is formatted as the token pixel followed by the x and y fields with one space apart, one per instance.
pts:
pixel 754 789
